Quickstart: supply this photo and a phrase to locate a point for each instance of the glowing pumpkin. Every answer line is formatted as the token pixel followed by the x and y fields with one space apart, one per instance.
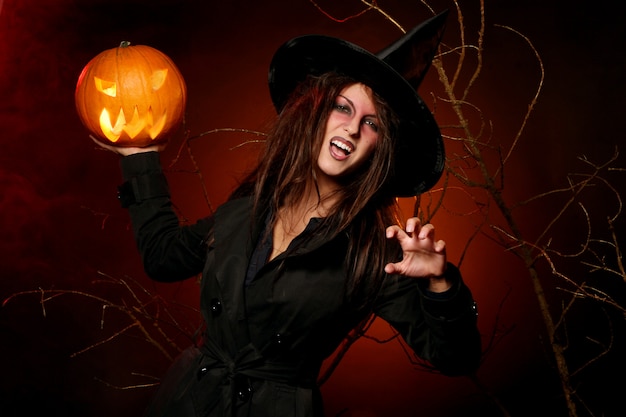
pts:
pixel 131 96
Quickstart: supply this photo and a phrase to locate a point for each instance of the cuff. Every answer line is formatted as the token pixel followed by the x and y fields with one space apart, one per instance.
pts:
pixel 140 164
pixel 144 179
pixel 451 304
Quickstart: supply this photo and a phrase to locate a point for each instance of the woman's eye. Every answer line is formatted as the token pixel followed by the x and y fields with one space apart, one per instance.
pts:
pixel 342 108
pixel 372 124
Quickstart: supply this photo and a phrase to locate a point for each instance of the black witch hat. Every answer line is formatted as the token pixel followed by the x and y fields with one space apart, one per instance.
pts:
pixel 395 73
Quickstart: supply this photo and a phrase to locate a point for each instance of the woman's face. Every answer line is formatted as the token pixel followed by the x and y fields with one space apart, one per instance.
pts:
pixel 350 136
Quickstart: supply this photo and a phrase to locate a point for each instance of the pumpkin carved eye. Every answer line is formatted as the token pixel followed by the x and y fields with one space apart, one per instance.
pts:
pixel 131 96
pixel 158 79
pixel 106 87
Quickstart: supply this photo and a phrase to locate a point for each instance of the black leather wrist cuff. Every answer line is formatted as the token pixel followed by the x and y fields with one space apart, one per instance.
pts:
pixel 141 188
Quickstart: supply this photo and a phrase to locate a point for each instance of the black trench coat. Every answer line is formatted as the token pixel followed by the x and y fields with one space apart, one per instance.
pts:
pixel 264 342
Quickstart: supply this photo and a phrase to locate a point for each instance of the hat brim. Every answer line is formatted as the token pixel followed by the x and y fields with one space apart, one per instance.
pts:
pixel 419 150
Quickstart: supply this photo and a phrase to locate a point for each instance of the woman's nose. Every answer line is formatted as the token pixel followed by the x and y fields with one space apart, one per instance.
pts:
pixel 352 127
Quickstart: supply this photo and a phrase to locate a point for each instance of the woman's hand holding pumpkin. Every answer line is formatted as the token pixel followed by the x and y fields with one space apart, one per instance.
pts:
pixel 125 150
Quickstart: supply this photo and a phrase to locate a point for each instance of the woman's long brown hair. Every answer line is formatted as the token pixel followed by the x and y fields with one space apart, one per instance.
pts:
pixel 364 207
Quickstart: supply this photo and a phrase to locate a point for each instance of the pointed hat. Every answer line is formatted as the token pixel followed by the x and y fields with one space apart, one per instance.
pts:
pixel 394 73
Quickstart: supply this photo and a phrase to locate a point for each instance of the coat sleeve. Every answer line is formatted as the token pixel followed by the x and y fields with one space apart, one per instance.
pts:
pixel 441 328
pixel 169 250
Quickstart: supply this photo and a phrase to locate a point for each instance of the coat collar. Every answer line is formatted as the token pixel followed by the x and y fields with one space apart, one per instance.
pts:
pixel 235 222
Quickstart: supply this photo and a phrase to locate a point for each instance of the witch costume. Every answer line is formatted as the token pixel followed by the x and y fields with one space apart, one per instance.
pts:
pixel 269 325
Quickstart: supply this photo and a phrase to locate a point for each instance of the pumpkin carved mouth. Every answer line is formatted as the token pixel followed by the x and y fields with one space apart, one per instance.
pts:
pixel 133 127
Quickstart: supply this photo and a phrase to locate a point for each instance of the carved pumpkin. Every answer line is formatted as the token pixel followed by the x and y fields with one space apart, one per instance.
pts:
pixel 131 96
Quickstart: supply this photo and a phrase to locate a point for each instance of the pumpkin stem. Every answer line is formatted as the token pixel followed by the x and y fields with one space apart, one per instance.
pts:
pixel 124 44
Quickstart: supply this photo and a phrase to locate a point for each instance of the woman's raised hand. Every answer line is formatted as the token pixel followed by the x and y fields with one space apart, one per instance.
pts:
pixel 422 255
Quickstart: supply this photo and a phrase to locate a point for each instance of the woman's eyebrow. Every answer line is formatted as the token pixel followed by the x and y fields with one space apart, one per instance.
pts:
pixel 352 105
pixel 347 99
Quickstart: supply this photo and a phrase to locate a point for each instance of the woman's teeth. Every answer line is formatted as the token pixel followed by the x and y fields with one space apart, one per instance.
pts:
pixel 343 146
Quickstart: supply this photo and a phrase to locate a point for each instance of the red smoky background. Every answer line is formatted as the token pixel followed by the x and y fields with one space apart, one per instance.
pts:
pixel 83 332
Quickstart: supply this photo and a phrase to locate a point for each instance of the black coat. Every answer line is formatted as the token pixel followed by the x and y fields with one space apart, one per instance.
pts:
pixel 265 342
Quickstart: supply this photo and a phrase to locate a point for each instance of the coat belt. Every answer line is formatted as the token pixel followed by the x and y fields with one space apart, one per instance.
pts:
pixel 234 375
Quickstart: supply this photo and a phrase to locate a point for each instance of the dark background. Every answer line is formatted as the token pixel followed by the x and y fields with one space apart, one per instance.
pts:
pixel 62 228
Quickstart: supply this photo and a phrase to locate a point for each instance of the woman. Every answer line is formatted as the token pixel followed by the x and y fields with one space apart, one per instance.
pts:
pixel 309 244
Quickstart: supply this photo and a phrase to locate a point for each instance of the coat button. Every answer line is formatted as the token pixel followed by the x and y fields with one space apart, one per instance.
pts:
pixel 475 308
pixel 216 307
pixel 244 394
pixel 279 343
pixel 278 340
pixel 202 372
pixel 243 388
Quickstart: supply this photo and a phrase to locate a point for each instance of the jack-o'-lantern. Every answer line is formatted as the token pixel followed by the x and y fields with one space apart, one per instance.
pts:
pixel 131 96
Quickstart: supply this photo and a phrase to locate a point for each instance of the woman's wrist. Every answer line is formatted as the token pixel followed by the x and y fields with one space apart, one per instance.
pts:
pixel 439 284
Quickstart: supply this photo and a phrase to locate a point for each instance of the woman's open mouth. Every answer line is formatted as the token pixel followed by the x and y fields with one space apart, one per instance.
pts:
pixel 340 148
